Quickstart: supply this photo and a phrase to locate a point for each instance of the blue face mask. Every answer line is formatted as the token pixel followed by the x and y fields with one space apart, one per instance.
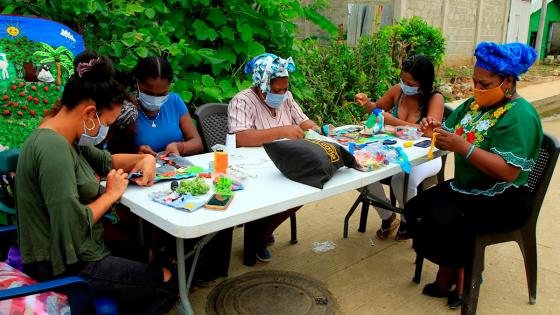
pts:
pixel 409 90
pixel 150 102
pixel 275 100
pixel 87 140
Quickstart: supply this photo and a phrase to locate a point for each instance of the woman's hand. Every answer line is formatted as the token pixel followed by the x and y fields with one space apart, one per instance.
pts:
pixel 362 99
pixel 451 142
pixel 147 166
pixel 172 148
pixel 117 181
pixel 146 149
pixel 429 122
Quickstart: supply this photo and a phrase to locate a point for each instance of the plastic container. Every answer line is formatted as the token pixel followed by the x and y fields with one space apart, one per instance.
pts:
pixel 408 133
pixel 220 162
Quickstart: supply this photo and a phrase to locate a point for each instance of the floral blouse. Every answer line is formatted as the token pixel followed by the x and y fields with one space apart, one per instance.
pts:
pixel 512 131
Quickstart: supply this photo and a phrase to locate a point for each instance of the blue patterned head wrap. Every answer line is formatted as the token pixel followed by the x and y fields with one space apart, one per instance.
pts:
pixel 267 67
pixel 505 59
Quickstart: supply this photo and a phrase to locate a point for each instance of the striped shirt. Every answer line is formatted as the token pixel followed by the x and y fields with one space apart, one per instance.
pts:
pixel 247 111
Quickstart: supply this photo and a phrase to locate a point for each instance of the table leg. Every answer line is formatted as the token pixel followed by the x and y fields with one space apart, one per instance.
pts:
pixel 184 284
pixel 249 245
pixel 405 189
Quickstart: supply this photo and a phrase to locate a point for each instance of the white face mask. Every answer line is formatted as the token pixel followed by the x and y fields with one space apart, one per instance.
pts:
pixel 87 140
pixel 150 102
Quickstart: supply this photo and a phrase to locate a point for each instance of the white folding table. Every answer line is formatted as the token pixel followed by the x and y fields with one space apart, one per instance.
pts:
pixel 267 194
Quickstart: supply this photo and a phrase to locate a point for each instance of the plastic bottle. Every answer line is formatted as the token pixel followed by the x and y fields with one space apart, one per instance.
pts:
pixel 220 162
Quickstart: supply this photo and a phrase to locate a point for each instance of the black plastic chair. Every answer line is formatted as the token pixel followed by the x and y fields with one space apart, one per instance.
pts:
pixel 79 291
pixel 367 202
pixel 539 179
pixel 213 125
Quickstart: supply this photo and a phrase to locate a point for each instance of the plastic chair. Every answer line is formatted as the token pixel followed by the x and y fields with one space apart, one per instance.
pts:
pixel 79 292
pixel 8 163
pixel 367 202
pixel 539 179
pixel 213 124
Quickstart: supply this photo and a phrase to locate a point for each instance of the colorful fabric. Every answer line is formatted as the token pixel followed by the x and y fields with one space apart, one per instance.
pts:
pixel 247 111
pixel 506 60
pixel 266 67
pixel 55 184
pixel 128 115
pixel 167 125
pixel 43 303
pixel 512 131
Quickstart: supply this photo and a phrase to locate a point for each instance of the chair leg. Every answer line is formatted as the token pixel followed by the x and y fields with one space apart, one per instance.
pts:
pixel 249 246
pixel 363 216
pixel 418 269
pixel 293 226
pixel 471 285
pixel 393 197
pixel 529 250
pixel 361 198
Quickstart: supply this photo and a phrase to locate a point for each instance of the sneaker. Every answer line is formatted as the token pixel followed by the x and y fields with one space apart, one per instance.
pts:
pixel 271 240
pixel 454 300
pixel 263 254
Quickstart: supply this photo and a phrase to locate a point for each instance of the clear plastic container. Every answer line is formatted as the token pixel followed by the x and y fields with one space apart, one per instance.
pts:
pixel 407 133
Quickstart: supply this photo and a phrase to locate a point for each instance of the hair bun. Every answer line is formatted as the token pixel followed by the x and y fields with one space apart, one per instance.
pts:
pixel 90 66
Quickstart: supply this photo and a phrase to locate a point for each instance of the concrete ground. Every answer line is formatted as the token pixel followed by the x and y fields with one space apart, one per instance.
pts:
pixel 368 279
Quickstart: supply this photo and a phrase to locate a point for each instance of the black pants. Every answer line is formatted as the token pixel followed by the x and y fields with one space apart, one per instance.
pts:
pixel 444 222
pixel 137 287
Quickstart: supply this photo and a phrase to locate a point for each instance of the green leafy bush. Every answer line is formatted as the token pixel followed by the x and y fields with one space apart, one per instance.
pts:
pixel 335 73
pixel 209 41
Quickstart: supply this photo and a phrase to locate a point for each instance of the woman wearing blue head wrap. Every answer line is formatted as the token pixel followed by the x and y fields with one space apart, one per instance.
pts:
pixel 263 113
pixel 496 137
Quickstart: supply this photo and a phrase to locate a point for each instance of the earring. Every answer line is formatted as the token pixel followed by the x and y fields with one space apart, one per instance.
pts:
pixel 92 124
pixel 508 94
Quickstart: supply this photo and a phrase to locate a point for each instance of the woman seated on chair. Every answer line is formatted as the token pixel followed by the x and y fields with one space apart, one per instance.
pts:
pixel 407 104
pixel 59 204
pixel 496 138
pixel 263 113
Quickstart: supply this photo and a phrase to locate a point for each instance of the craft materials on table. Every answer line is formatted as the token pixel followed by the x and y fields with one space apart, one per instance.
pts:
pixel 431 150
pixel 407 133
pixel 173 166
pixel 372 156
pixel 374 123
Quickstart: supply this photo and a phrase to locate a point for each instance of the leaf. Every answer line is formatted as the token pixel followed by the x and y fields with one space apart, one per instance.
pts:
pixel 203 31
pixel 133 8
pixel 213 92
pixel 209 55
pixel 255 49
pixel 208 81
pixel 150 13
pixel 186 96
pixel 142 52
pixel 9 9
pixel 47 60
pixel 217 17
pixel 245 31
pixel 129 39
pixel 227 33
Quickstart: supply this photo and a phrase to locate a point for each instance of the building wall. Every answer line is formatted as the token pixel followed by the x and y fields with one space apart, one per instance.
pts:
pixel 464 23
pixel 552 15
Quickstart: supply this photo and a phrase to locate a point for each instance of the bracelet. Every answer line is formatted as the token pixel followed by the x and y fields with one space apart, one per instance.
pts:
pixel 471 150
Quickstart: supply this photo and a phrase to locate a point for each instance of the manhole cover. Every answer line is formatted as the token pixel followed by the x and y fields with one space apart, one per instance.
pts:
pixel 270 292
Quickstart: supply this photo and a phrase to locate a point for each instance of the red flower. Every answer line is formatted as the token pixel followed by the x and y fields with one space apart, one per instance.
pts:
pixel 46 112
pixel 10 103
pixel 14 87
pixel 22 94
pixel 470 137
pixel 16 105
pixel 32 112
pixel 5 97
pixel 29 98
pixel 20 113
pixel 6 112
pixel 46 101
pixel 21 84
pixel 58 88
pixel 24 107
pixel 36 100
pixel 459 131
pixel 46 88
pixel 34 88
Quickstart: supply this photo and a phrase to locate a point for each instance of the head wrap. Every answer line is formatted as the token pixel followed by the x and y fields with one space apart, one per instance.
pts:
pixel 267 67
pixel 128 115
pixel 505 59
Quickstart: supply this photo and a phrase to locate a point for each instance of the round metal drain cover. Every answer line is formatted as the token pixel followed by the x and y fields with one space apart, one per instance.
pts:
pixel 270 292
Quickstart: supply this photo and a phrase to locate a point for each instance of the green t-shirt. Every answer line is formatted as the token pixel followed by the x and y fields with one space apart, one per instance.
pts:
pixel 53 186
pixel 512 131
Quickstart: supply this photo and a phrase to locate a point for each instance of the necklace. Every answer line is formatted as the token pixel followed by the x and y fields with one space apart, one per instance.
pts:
pixel 152 120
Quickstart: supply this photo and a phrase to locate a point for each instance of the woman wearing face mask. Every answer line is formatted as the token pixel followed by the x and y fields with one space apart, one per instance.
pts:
pixel 164 123
pixel 496 138
pixel 407 104
pixel 59 204
pixel 263 113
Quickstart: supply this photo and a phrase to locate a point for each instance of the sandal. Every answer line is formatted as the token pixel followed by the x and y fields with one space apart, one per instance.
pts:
pixel 402 233
pixel 387 227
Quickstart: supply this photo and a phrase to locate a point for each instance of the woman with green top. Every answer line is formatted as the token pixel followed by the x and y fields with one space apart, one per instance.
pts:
pixel 496 137
pixel 59 203
pixel 407 104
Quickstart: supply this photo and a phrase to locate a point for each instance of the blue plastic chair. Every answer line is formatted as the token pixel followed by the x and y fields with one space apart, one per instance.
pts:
pixel 79 292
